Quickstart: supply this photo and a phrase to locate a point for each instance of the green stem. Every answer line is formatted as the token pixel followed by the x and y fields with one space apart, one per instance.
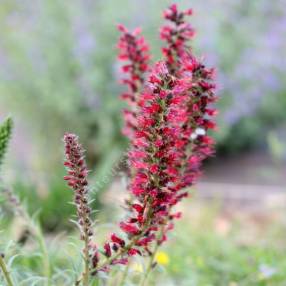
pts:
pixel 5 272
pixel 124 275
pixel 150 265
pixel 86 257
pixel 152 257
pixel 85 275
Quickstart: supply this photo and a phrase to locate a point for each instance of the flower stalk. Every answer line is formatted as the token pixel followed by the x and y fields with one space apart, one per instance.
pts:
pixel 77 181
pixel 5 271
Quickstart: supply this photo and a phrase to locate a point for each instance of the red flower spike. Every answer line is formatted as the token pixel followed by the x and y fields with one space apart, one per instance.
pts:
pixel 177 35
pixel 133 50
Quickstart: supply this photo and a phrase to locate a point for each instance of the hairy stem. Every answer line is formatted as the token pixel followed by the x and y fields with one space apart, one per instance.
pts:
pixel 86 266
pixel 5 271
pixel 85 275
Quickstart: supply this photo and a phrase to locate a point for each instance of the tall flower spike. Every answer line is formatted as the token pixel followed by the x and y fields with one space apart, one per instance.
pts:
pixel 197 101
pixel 170 144
pixel 77 181
pixel 156 154
pixel 177 35
pixel 134 52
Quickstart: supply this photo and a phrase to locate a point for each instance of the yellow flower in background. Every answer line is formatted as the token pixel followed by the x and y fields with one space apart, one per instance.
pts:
pixel 137 267
pixel 162 258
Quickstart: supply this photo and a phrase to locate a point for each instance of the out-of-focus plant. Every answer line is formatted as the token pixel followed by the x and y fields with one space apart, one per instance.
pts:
pixel 50 78
pixel 17 207
pixel 276 147
pixel 5 134
pixel 52 74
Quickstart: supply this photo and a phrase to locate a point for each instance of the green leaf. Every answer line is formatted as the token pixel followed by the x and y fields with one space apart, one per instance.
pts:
pixel 5 134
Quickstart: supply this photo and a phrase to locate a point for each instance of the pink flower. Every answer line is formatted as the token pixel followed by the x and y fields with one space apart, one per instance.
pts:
pixel 133 251
pixel 129 228
pixel 117 240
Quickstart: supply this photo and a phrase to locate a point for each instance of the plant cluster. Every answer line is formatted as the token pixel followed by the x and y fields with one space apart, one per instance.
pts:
pixel 170 112
pixel 169 115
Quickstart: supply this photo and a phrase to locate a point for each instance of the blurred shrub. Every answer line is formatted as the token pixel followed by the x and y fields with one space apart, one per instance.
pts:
pixel 217 251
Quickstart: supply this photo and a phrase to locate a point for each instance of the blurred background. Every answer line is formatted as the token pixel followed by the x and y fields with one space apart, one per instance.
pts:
pixel 59 73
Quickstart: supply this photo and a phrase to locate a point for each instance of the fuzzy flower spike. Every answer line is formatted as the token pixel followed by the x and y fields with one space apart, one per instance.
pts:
pixel 77 181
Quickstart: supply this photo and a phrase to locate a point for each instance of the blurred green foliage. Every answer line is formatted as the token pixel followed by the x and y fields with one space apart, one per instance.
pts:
pixel 205 253
pixel 212 249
